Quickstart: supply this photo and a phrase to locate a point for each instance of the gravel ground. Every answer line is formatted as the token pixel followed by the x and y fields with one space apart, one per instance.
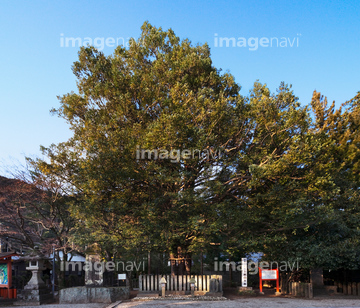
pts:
pixel 62 306
pixel 265 302
pixel 268 302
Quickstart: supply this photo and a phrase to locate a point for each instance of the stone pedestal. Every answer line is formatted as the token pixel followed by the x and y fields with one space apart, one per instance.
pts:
pixel 85 295
pixel 245 289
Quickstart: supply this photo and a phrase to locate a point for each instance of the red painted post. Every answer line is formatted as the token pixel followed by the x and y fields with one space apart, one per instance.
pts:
pixel 260 279
pixel 277 280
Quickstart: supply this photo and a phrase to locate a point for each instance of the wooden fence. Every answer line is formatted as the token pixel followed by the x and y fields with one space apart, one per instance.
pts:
pixel 306 289
pixel 301 289
pixel 349 288
pixel 179 284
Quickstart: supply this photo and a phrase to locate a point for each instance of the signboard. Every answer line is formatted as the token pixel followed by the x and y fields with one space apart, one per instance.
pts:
pixel 244 272
pixel 4 274
pixel 121 276
pixel 272 274
pixel 269 274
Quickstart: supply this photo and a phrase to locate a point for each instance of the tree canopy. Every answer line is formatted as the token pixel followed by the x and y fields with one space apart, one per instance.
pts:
pixel 168 156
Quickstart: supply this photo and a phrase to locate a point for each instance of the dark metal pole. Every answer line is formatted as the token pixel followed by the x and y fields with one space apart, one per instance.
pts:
pixel 53 272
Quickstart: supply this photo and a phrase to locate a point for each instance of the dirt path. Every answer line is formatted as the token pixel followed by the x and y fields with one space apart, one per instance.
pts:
pixel 266 302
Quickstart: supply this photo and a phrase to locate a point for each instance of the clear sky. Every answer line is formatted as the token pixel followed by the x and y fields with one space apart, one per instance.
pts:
pixel 321 52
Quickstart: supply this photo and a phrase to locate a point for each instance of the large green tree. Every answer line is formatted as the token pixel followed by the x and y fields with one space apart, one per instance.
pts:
pixel 256 173
pixel 159 94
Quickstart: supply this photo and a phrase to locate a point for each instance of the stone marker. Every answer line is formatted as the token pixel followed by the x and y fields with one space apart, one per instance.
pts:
pixel 317 278
pixel 94 269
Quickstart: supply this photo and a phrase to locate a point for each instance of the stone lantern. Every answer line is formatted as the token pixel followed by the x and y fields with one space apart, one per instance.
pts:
pixel 192 283
pixel 35 292
pixel 163 284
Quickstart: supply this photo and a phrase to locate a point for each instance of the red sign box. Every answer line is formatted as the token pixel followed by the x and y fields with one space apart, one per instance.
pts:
pixel 272 274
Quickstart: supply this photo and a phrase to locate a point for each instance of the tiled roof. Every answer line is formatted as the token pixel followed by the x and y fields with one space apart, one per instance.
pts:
pixel 4 255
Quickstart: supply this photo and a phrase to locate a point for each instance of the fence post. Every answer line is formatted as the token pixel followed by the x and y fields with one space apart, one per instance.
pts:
pixel 220 283
pixel 311 291
pixel 340 287
pixel 181 287
pixel 353 291
pixel 349 288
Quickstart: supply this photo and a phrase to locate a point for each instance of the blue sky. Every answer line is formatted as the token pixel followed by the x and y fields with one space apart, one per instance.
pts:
pixel 35 68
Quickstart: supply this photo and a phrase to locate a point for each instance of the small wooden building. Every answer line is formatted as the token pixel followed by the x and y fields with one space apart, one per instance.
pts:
pixel 6 275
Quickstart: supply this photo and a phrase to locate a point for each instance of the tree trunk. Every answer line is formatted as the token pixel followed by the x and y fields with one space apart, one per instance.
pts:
pixel 61 274
pixel 180 262
pixel 173 264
